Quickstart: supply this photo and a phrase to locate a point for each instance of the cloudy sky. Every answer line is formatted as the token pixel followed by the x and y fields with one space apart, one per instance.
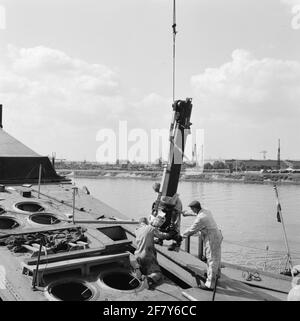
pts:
pixel 69 68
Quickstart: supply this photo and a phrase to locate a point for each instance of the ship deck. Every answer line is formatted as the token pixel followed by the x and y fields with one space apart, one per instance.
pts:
pixel 106 242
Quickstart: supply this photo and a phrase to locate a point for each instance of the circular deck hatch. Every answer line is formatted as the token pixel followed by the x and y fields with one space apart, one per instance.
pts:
pixel 120 280
pixel 8 223
pixel 44 218
pixel 70 290
pixel 30 207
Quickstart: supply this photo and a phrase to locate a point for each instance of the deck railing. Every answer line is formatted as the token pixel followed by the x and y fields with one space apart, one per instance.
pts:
pixel 187 246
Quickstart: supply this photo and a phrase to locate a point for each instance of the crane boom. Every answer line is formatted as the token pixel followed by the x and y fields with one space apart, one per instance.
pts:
pixel 179 130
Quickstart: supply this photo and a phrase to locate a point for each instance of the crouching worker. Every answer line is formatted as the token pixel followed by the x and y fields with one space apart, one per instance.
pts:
pixel 145 253
pixel 212 239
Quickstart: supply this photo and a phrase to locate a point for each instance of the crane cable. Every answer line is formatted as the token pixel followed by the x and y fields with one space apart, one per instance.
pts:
pixel 174 45
pixel 159 195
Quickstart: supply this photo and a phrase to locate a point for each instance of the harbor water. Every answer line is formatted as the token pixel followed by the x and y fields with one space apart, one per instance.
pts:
pixel 246 214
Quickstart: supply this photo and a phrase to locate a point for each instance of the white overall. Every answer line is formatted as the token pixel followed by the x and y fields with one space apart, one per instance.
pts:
pixel 145 252
pixel 212 239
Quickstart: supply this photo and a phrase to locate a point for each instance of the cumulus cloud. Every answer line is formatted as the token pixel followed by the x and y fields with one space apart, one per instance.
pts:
pixel 57 97
pixel 248 102
pixel 153 107
pixel 58 90
pixel 250 89
pixel 293 6
pixel 290 3
pixel 64 99
pixel 46 64
pixel 55 102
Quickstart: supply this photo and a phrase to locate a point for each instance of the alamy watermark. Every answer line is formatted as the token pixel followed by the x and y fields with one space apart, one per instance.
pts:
pixel 143 146
pixel 2 17
pixel 295 23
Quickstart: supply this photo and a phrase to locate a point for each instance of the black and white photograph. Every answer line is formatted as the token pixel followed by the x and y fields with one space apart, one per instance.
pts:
pixel 149 157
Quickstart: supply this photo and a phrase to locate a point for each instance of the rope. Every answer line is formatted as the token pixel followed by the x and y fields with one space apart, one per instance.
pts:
pixel 27 176
pixel 174 46
pixel 267 263
pixel 256 248
pixel 280 219
pixel 59 201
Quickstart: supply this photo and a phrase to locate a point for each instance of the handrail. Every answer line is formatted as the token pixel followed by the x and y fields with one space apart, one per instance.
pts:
pixel 187 246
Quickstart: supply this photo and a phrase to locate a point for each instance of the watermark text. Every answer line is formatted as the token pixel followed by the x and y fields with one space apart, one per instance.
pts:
pixel 295 23
pixel 142 146
pixel 2 17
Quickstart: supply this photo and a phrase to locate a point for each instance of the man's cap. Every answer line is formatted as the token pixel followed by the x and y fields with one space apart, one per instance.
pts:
pixel 195 204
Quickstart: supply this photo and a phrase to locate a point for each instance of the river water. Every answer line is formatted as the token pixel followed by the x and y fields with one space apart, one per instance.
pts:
pixel 246 214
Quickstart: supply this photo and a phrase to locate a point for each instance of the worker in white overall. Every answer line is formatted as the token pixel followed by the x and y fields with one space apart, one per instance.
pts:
pixel 294 294
pixel 145 253
pixel 212 239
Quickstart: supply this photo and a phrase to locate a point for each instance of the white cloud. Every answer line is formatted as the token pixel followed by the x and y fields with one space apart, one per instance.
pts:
pixel 250 89
pixel 248 102
pixel 54 102
pixel 48 65
pixel 153 110
pixel 60 88
pixel 65 101
pixel 294 8
pixel 290 3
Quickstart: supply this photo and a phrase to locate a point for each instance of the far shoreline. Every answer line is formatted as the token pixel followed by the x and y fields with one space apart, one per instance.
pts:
pixel 241 178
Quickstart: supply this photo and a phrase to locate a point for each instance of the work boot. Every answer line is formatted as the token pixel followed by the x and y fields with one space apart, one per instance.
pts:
pixel 203 259
pixel 158 241
pixel 204 287
pixel 150 282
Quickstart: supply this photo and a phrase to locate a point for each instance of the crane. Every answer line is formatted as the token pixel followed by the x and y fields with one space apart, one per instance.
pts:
pixel 264 152
pixel 179 129
pixel 278 155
